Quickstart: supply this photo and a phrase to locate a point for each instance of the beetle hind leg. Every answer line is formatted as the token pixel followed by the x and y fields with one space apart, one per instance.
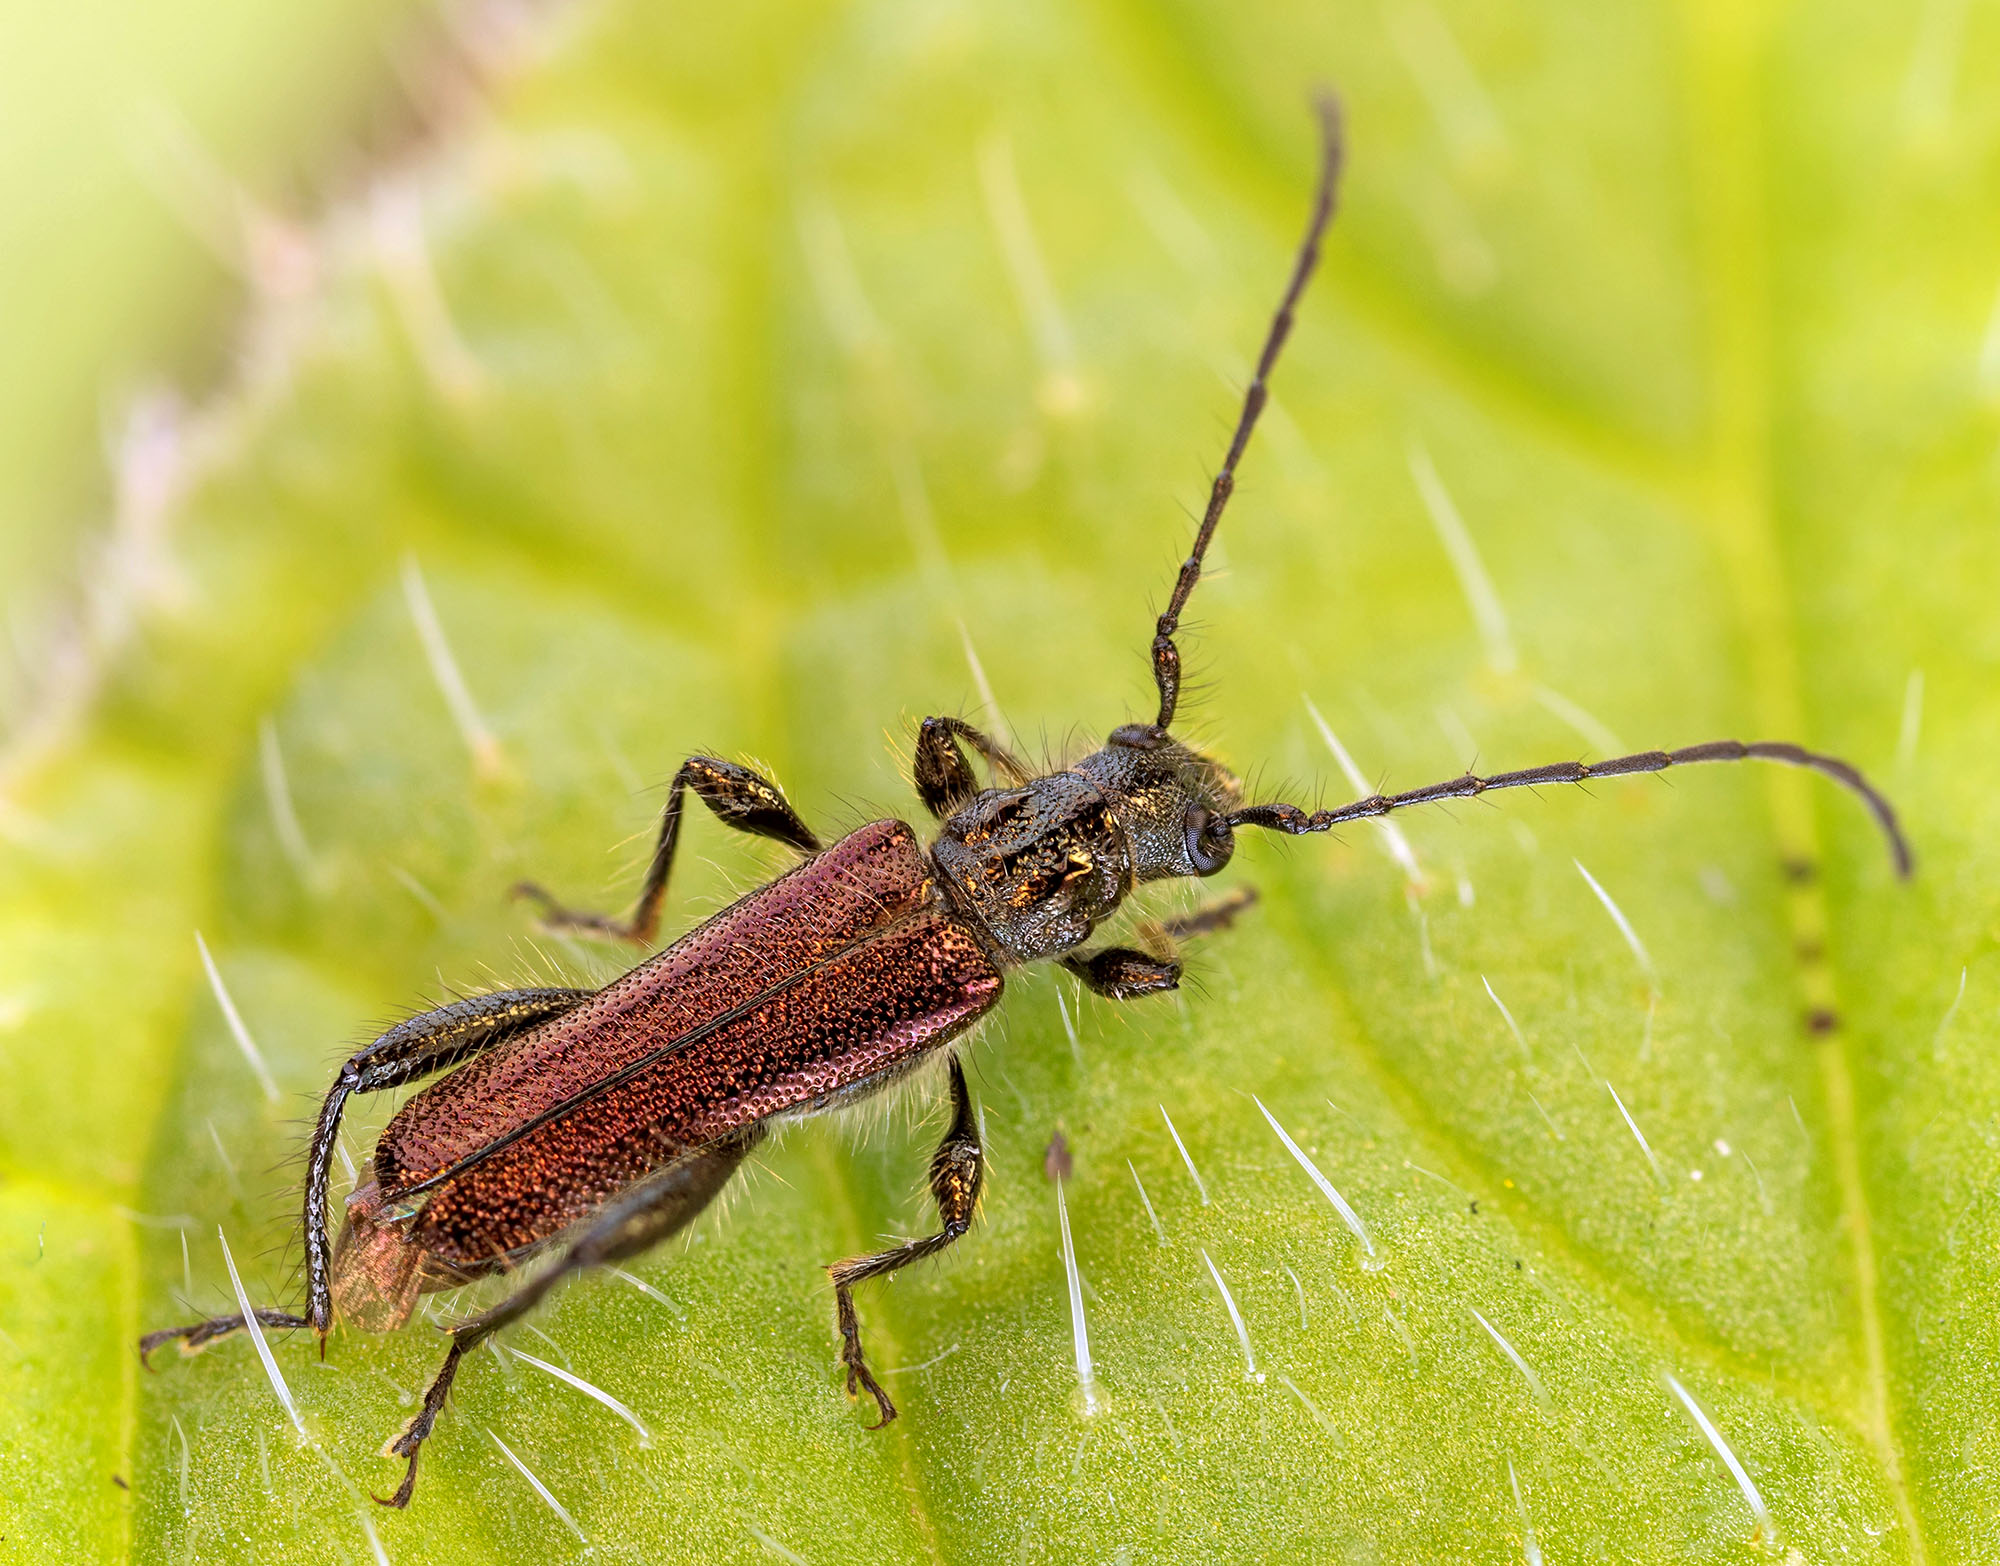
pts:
pixel 633 1222
pixel 197 1335
pixel 410 1439
pixel 958 1168
pixel 412 1049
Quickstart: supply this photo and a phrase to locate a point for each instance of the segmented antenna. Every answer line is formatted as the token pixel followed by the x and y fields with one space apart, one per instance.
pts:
pixel 1166 656
pixel 1292 820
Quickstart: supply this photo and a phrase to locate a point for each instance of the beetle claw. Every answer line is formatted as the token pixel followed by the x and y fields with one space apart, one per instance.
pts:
pixel 858 1371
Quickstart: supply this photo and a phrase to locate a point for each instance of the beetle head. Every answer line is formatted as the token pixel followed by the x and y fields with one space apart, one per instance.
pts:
pixel 1171 802
pixel 1042 862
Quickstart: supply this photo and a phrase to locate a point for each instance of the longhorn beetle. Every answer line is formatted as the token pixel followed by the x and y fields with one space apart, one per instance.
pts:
pixel 609 1119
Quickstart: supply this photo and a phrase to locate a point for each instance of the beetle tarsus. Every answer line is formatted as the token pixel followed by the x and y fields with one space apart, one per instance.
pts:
pixel 554 917
pixel 859 1377
pixel 197 1335
pixel 401 1499
pixel 857 1369
pixel 958 1169
pixel 944 779
pixel 410 1441
pixel 1120 973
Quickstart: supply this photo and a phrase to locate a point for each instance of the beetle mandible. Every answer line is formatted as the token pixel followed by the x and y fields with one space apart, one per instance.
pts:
pixel 612 1118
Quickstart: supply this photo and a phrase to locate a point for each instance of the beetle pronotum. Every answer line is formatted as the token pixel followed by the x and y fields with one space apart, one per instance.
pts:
pixel 609 1119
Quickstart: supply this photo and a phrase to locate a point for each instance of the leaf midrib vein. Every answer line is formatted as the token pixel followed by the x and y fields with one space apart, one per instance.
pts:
pixel 1730 489
pixel 1725 46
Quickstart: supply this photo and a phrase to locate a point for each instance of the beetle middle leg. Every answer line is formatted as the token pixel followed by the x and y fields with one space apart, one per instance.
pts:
pixel 735 796
pixel 1123 973
pixel 958 1168
pixel 413 1048
pixel 632 1222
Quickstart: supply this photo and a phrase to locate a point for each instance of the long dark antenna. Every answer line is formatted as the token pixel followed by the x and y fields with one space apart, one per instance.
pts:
pixel 1166 656
pixel 1292 820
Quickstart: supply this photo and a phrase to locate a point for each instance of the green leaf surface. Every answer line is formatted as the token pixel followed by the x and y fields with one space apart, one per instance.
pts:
pixel 731 385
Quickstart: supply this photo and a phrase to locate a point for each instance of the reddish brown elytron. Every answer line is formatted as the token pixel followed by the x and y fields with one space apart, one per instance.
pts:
pixel 607 1121
pixel 837 973
pixel 841 972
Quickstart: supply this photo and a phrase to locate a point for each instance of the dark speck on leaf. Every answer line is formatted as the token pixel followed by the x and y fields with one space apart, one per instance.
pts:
pixel 1056 1163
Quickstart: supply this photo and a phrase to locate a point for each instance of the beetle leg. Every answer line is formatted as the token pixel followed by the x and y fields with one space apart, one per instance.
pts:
pixel 735 796
pixel 413 1048
pixel 1210 917
pixel 957 1170
pixel 635 1221
pixel 1120 973
pixel 198 1335
pixel 944 778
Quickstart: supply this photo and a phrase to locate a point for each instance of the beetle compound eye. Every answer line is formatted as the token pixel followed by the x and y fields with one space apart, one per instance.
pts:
pixel 1210 841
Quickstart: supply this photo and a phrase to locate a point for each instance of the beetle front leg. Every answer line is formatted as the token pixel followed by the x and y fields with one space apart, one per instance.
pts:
pixel 735 796
pixel 1121 973
pixel 1207 919
pixel 958 1169
pixel 944 778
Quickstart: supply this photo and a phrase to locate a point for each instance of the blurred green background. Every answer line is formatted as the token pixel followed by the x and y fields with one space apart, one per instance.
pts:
pixel 128 133
pixel 760 382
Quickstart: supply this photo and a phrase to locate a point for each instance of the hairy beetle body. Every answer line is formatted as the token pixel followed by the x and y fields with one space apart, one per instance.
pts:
pixel 818 986
pixel 611 1119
